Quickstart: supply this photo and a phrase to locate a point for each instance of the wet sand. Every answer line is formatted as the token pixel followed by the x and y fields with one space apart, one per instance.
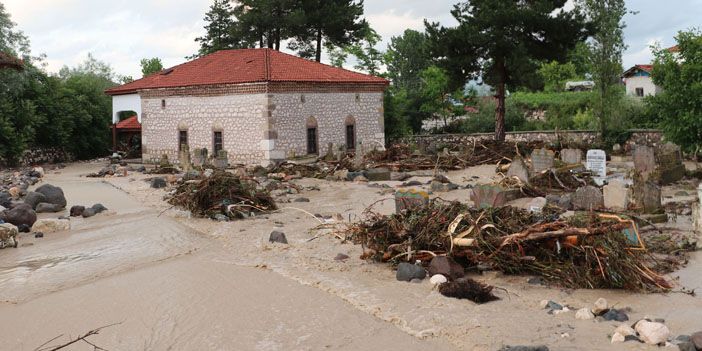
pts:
pixel 186 283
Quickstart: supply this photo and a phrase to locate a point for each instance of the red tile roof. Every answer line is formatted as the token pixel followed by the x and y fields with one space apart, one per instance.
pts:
pixel 647 68
pixel 673 48
pixel 245 66
pixel 8 61
pixel 129 123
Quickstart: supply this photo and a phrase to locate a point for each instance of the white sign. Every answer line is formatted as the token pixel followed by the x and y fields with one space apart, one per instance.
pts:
pixel 597 163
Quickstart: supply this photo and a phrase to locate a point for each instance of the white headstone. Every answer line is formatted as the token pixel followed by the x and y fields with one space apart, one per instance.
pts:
pixel 597 164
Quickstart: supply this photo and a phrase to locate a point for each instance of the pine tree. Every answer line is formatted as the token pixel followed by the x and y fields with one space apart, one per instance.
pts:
pixel 503 42
pixel 220 30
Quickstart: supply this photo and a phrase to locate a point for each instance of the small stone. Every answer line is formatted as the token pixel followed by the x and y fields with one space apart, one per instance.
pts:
pixel 23 228
pixel 360 179
pixel 652 333
pixel 77 210
pixel 617 338
pixel 14 191
pixel 536 280
pixel 687 346
pixel 438 279
pixel 99 208
pixel 277 237
pixel 221 218
pixel 625 330
pixel 681 193
pixel 88 212
pixel 38 235
pixel 554 306
pixel 586 314
pixel 525 348
pixel 447 267
pixel 683 338
pixel 552 199
pixel 51 225
pixel 341 257
pixel 407 272
pixel 302 199
pixel 158 183
pixel 600 306
pixel 614 315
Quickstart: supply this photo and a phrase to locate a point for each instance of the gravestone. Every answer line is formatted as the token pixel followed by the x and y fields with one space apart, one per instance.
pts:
pixel 616 195
pixel 221 161
pixel 330 152
pixel 184 158
pixel 670 164
pixel 537 204
pixel 485 195
pixel 422 145
pixel 410 200
pixel 571 156
pixel 587 197
pixel 541 159
pixel 164 161
pixel 597 162
pixel 630 233
pixel 518 169
pixel 341 153
pixel 198 160
pixel 378 174
pixel 651 197
pixel 358 156
pixel 644 160
pixel 432 147
pixel 291 154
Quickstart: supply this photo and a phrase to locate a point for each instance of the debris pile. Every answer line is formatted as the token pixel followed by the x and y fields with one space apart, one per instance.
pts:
pixel 223 194
pixel 590 251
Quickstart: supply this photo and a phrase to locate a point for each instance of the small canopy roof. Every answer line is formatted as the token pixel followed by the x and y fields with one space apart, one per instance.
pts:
pixel 7 61
pixel 129 124
pixel 636 69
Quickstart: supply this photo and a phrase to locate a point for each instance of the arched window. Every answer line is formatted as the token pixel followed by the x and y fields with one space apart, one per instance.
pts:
pixel 312 136
pixel 350 133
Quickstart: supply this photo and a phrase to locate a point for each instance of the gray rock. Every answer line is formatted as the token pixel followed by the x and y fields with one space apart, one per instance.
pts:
pixel 77 210
pixel 587 197
pixel 552 199
pixel 554 306
pixel 614 315
pixel 302 199
pixel 88 212
pixel 220 217
pixel 536 280
pixel 5 199
pixel 681 193
pixel 23 228
pixel 341 257
pixel 99 208
pixel 53 194
pixel 447 267
pixel 687 346
pixel 21 214
pixel 407 271
pixel 683 338
pixel 158 183
pixel 45 207
pixel 277 237
pixel 38 235
pixel 34 198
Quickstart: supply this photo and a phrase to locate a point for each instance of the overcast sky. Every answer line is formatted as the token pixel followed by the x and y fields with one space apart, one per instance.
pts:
pixel 122 32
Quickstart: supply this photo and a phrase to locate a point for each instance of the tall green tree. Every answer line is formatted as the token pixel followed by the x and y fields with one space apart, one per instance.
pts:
pixel 369 59
pixel 406 57
pixel 503 43
pixel 605 55
pixel 220 30
pixel 267 22
pixel 439 101
pixel 337 55
pixel 150 66
pixel 679 106
pixel 334 22
pixel 556 75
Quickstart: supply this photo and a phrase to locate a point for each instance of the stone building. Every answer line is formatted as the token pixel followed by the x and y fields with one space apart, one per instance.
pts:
pixel 258 105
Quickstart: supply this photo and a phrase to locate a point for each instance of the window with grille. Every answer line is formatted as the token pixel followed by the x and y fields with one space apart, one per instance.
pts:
pixel 218 146
pixel 311 140
pixel 350 137
pixel 182 139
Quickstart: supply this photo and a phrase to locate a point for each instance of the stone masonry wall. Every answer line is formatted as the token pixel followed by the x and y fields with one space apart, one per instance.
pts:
pixel 289 114
pixel 638 136
pixel 238 117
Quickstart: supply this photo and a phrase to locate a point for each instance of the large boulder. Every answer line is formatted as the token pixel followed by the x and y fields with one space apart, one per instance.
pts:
pixel 45 207
pixel 8 235
pixel 54 194
pixel 50 225
pixel 33 199
pixel 652 332
pixel 21 214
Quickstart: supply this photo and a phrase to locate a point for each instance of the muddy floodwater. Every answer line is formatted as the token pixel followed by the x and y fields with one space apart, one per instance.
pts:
pixel 175 282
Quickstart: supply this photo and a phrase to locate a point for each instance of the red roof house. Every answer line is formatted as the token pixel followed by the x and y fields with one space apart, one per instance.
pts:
pixel 256 106
pixel 7 61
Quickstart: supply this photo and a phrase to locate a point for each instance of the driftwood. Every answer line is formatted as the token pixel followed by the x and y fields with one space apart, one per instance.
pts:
pixel 83 338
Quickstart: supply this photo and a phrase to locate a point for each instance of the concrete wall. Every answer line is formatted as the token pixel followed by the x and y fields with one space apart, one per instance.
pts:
pixel 291 112
pixel 238 117
pixel 644 82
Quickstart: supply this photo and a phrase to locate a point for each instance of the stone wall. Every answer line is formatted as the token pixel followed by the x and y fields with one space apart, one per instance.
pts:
pixel 238 117
pixel 585 137
pixel 37 156
pixel 290 114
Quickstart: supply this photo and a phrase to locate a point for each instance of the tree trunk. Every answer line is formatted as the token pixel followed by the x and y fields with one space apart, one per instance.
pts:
pixel 318 56
pixel 277 38
pixel 500 110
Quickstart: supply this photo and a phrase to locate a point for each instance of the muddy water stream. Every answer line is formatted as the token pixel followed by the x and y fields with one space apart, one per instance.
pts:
pixel 180 283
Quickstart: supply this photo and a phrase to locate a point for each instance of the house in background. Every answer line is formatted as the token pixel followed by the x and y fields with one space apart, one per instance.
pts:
pixel 256 104
pixel 7 61
pixel 638 78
